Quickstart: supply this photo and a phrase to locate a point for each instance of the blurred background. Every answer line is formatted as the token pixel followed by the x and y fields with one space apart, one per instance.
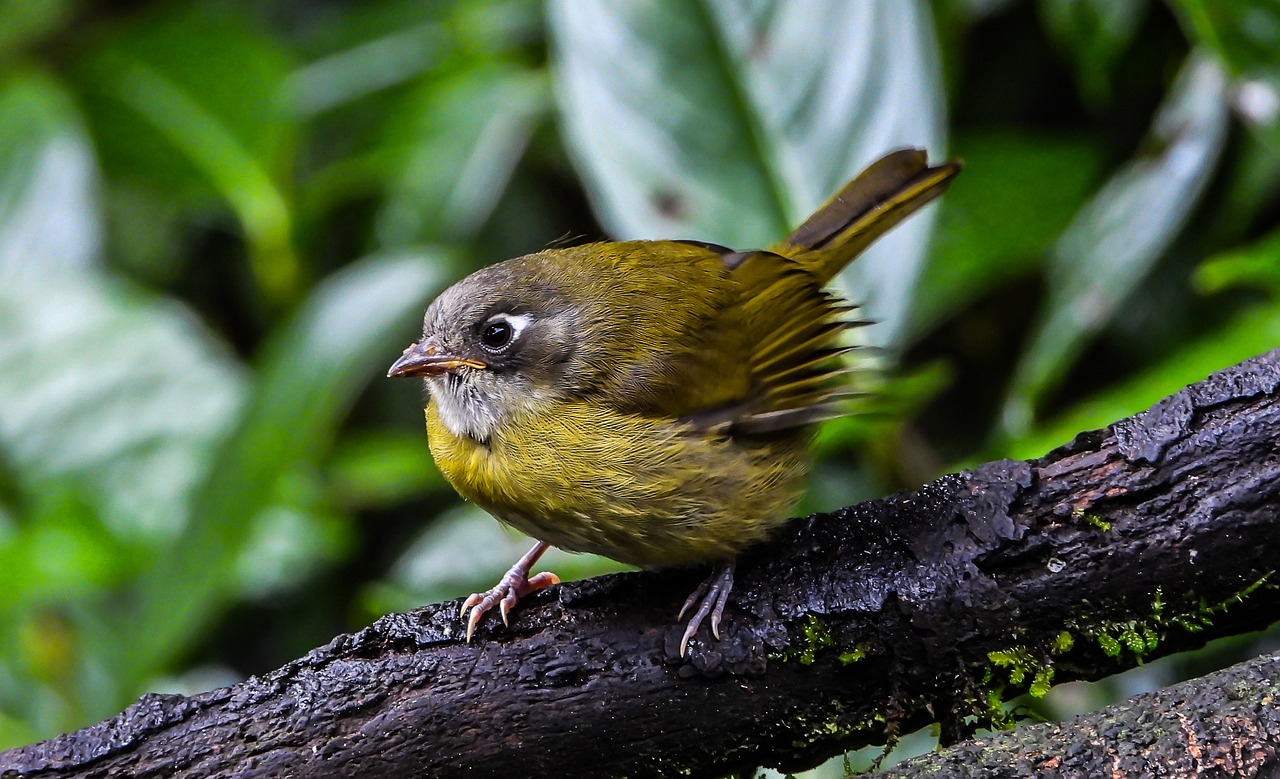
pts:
pixel 220 221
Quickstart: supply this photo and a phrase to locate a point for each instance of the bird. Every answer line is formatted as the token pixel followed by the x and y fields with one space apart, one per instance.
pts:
pixel 651 401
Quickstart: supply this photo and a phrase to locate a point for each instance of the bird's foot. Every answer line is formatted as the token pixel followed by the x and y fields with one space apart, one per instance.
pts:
pixel 710 598
pixel 514 585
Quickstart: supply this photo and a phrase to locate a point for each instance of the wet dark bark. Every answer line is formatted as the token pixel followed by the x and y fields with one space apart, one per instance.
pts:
pixel 1224 724
pixel 1129 543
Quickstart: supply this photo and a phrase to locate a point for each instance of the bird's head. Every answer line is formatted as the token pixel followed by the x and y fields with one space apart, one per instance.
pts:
pixel 499 343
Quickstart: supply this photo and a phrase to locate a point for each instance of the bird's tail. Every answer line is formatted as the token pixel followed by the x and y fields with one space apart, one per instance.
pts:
pixel 888 191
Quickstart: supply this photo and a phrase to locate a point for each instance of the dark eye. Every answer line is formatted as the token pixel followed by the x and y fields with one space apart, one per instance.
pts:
pixel 501 330
pixel 497 334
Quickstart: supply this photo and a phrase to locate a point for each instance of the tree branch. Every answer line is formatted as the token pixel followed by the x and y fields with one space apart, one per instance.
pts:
pixel 1224 724
pixel 1143 539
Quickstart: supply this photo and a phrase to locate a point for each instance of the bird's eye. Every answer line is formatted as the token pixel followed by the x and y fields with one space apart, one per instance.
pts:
pixel 500 331
pixel 497 334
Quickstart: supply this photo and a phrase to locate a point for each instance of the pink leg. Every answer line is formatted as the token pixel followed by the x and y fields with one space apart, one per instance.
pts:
pixel 514 585
pixel 711 596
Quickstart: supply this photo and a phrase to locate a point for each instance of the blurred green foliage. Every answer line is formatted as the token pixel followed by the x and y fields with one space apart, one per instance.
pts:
pixel 220 221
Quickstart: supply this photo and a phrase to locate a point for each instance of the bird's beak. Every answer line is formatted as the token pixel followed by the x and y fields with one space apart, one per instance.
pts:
pixel 427 359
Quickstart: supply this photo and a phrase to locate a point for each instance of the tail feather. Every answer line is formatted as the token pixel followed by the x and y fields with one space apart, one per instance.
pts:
pixel 794 327
pixel 890 190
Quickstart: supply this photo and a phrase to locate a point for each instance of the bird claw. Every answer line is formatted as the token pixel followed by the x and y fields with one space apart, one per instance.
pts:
pixel 514 585
pixel 710 597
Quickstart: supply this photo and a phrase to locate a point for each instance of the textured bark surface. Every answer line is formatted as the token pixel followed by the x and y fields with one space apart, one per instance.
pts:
pixel 1129 543
pixel 1225 724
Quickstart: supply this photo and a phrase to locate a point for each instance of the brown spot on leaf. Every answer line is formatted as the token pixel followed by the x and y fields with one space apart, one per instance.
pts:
pixel 669 204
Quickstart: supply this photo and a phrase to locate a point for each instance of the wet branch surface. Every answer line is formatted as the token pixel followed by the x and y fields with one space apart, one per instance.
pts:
pixel 1129 543
pixel 1224 724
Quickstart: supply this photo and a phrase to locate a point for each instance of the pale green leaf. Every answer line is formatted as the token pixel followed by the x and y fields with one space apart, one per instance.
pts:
pixel 114 388
pixel 48 179
pixel 1117 237
pixel 352 73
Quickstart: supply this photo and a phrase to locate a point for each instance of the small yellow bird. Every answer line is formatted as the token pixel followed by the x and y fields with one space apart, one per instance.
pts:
pixel 650 401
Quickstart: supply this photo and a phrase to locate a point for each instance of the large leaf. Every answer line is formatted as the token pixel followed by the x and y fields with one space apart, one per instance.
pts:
pixel 99 383
pixel 107 385
pixel 112 404
pixel 48 179
pixel 1117 237
pixel 309 374
pixel 730 121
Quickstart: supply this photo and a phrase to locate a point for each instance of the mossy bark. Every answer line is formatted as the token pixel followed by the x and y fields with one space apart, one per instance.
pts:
pixel 1223 725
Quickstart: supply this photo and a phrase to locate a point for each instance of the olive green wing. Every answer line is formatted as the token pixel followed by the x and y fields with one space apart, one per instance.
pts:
pixel 659 344
pixel 793 363
pixel 743 343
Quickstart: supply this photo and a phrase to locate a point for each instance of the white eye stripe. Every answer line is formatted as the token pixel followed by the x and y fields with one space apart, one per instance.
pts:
pixel 502 330
pixel 518 322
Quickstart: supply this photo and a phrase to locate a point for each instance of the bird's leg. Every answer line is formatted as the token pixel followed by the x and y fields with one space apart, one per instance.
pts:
pixel 514 585
pixel 710 598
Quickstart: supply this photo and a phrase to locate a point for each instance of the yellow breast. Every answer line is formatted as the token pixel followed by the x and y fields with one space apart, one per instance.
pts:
pixel 638 490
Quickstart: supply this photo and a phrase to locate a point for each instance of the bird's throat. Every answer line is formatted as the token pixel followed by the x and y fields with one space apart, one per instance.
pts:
pixel 465 410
